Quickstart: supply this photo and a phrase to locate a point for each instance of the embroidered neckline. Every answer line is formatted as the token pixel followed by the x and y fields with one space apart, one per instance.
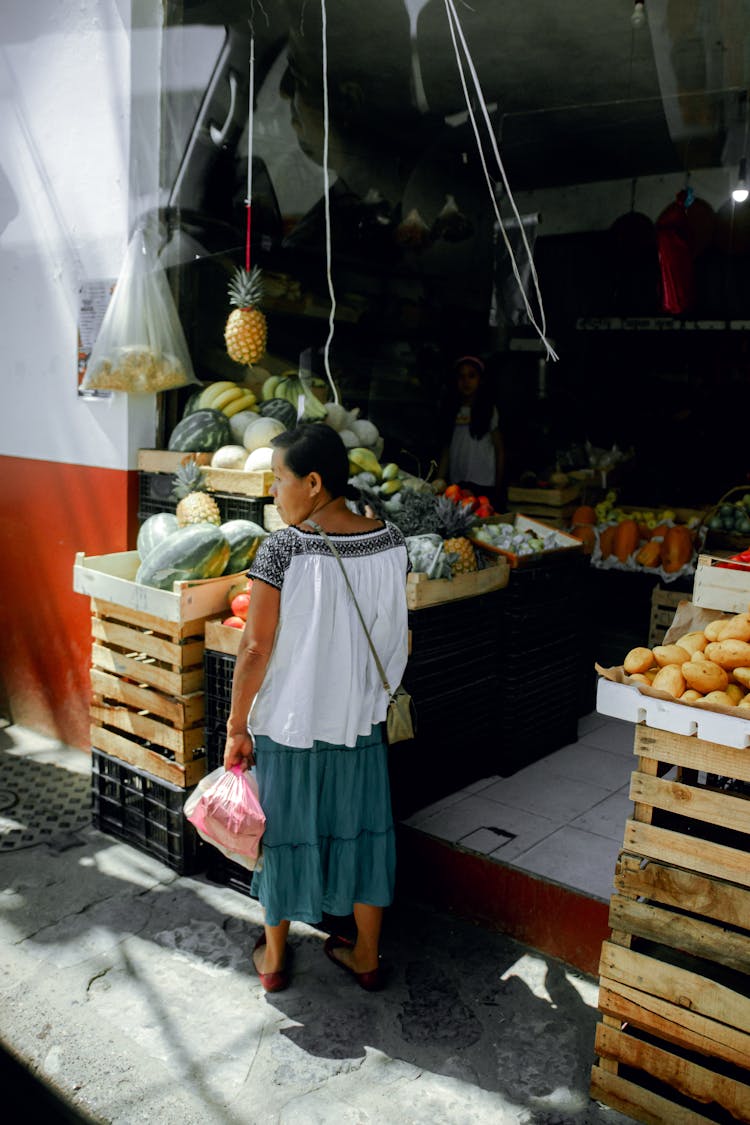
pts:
pixel 341 534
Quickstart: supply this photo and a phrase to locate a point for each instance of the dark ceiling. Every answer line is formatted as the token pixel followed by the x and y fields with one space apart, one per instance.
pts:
pixel 579 92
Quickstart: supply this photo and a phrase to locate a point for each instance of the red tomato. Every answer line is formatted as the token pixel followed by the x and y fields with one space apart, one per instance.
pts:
pixel 235 622
pixel 453 492
pixel 239 605
pixel 483 511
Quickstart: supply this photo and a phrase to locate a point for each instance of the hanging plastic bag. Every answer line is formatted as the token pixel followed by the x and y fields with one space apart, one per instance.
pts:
pixel 225 811
pixel 141 347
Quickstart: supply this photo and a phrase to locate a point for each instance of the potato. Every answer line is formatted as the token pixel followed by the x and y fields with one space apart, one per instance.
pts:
pixel 690 696
pixel 737 628
pixel 735 693
pixel 713 628
pixel 744 702
pixel 704 676
pixel 639 678
pixel 693 642
pixel 651 674
pixel 742 676
pixel 719 697
pixel 670 654
pixel 638 660
pixel 671 680
pixel 729 654
pixel 700 657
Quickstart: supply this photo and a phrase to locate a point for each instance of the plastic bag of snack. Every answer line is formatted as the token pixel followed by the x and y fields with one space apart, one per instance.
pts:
pixel 141 347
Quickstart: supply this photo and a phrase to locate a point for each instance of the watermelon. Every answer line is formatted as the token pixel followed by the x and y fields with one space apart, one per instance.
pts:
pixel 203 431
pixel 154 530
pixel 281 409
pixel 243 537
pixel 198 551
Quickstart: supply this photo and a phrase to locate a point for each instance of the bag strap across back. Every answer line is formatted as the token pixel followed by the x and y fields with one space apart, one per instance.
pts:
pixel 381 671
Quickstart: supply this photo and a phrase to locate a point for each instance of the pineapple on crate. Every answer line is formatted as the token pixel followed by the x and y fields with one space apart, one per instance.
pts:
pixel 194 504
pixel 454 520
pixel 246 330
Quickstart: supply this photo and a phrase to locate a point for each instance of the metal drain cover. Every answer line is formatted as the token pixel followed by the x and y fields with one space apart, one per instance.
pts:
pixel 40 801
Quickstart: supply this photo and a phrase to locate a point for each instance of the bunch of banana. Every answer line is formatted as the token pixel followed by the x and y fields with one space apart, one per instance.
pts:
pixel 227 397
pixel 290 387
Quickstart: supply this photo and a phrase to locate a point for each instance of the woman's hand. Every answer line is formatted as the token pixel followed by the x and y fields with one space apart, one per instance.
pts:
pixel 239 751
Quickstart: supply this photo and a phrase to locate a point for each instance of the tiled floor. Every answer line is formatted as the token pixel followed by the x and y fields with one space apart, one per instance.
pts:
pixel 562 818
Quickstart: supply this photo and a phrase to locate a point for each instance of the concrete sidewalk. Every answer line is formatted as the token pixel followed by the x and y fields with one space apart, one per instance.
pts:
pixel 130 991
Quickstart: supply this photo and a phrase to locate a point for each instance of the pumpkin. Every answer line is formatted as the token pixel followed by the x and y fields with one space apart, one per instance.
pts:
pixel 584 514
pixel 626 540
pixel 607 540
pixel 676 549
pixel 649 555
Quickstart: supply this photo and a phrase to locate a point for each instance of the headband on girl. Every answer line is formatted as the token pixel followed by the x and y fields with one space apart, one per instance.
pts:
pixel 471 359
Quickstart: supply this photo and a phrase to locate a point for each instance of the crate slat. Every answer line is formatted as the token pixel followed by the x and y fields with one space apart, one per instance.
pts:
pixel 673 886
pixel 641 1105
pixel 422 591
pixel 142 671
pixel 695 854
pixel 691 1079
pixel 181 711
pixel 692 753
pixel 677 1025
pixel 706 805
pixel 176 631
pixel 680 931
pixel 682 987
pixel 186 745
pixel 237 481
pixel 223 638
pixel 138 640
pixel 116 745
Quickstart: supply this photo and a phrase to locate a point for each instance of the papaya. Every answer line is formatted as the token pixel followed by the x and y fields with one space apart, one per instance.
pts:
pixel 584 514
pixel 586 534
pixel 626 539
pixel 607 539
pixel 649 554
pixel 676 549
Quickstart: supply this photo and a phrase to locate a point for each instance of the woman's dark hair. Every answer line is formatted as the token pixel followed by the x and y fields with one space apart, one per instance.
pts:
pixel 481 407
pixel 314 447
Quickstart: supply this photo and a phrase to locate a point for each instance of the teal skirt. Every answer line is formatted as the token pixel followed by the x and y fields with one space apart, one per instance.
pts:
pixel 329 839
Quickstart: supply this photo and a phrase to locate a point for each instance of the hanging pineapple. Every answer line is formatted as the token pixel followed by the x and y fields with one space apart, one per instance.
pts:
pixel 245 330
pixel 194 503
pixel 454 520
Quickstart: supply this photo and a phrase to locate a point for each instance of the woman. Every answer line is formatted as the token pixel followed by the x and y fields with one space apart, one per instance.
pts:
pixel 473 455
pixel 306 682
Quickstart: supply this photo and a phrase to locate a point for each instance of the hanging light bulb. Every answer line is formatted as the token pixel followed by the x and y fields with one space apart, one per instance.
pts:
pixel 740 193
pixel 638 17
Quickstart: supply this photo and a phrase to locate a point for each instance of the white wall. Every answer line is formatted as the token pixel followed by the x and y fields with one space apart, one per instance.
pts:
pixel 65 212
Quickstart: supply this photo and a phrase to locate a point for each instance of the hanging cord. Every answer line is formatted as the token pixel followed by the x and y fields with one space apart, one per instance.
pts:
pixel 249 198
pixel 327 207
pixel 455 26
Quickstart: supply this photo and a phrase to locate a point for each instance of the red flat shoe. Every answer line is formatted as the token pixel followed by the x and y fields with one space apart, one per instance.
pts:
pixel 371 981
pixel 272 982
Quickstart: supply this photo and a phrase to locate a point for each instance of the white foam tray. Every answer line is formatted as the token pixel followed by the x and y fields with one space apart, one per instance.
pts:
pixel 625 701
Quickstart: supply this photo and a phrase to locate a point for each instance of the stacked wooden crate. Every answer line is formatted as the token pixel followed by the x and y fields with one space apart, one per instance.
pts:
pixel 674 1041
pixel 553 505
pixel 148 701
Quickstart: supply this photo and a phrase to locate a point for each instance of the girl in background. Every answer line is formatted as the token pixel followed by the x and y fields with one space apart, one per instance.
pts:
pixel 473 454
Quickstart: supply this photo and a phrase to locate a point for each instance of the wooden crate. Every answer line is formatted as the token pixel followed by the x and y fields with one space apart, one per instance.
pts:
pixel 216 480
pixel 547 497
pixel 673 1045
pixel 563 541
pixel 721 585
pixel 147 699
pixel 167 460
pixel 663 608
pixel 422 591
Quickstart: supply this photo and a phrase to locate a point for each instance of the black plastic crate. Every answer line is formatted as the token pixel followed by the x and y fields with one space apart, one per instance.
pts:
pixel 219 869
pixel 144 811
pixel 155 495
pixel 218 670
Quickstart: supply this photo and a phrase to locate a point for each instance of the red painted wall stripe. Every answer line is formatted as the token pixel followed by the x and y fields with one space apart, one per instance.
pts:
pixel 48 512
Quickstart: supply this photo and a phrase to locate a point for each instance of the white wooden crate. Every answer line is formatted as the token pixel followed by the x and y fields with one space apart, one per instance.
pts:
pixel 718 586
pixel 111 578
pixel 625 701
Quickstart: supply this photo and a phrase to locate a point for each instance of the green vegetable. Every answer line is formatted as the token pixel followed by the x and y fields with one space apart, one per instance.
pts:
pixel 198 551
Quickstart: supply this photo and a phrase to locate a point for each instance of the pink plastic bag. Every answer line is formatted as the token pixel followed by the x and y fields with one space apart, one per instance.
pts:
pixel 226 812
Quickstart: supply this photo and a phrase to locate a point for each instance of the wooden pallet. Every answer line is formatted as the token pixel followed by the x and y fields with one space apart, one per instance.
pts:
pixel 147 702
pixel 674 1040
